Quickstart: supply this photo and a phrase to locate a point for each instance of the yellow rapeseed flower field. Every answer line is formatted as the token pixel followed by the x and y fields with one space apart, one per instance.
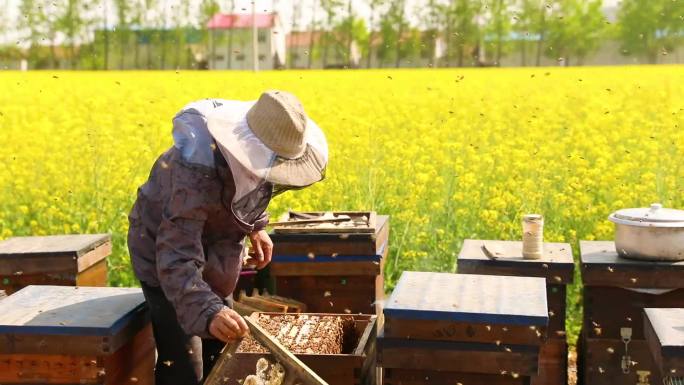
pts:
pixel 450 154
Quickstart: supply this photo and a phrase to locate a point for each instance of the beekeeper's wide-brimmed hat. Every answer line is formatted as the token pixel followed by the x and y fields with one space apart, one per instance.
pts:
pixel 273 138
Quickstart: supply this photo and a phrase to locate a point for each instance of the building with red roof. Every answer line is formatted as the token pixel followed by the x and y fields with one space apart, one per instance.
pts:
pixel 230 41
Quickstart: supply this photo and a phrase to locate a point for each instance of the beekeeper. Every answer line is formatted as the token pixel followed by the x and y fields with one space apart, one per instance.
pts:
pixel 204 195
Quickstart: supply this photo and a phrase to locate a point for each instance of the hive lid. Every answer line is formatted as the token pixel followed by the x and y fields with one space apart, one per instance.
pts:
pixel 556 264
pixel 52 253
pixel 67 310
pixel 664 331
pixel 602 266
pixel 319 222
pixel 469 298
pixel 654 216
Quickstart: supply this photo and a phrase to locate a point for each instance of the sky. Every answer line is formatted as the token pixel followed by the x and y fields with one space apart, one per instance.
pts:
pixel 9 10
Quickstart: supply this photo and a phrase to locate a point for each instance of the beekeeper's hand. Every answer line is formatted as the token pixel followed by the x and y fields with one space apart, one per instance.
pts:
pixel 227 325
pixel 262 247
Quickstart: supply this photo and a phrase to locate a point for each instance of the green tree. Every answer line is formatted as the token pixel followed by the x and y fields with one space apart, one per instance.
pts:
pixel 149 25
pixel 162 25
pixel 180 21
pixel 208 9
pixel 294 27
pixel 499 27
pixel 312 32
pixel 648 28
pixel 575 30
pixel 355 31
pixel 69 22
pixel 89 21
pixel 392 27
pixel 5 22
pixel 431 22
pixel 374 7
pixel 463 28
pixel 31 21
pixel 330 8
pixel 123 13
pixel 137 20
pixel 530 25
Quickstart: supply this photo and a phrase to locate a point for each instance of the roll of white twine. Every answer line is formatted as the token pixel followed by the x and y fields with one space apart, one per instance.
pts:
pixel 533 236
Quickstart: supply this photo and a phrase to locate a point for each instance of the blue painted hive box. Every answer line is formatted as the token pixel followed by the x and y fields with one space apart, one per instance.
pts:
pixel 332 272
pixel 76 335
pixel 465 323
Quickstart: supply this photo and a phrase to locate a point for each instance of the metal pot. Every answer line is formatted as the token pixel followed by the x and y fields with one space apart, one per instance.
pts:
pixel 655 233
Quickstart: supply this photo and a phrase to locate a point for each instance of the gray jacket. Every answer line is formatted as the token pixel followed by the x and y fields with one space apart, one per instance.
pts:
pixel 184 235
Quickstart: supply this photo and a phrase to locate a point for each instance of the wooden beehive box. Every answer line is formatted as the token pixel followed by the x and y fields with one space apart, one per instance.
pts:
pixel 465 323
pixel 556 266
pixel 311 243
pixel 423 377
pixel 322 271
pixel 75 335
pixel 664 330
pixel 616 290
pixel 355 366
pixel 65 260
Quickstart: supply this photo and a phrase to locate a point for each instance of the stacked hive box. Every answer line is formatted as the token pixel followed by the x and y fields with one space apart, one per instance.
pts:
pixel 557 267
pixel 65 260
pixel 346 359
pixel 332 273
pixel 664 332
pixel 463 328
pixel 612 348
pixel 75 335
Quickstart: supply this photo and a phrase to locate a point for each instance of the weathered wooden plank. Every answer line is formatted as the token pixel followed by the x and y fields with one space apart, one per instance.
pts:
pixel 94 256
pixel 132 363
pixel 27 343
pixel 321 245
pixel 263 304
pixel 63 310
pixel 556 264
pixel 69 261
pixel 469 298
pixel 440 330
pixel 553 364
pixel 600 362
pixel 457 356
pixel 333 294
pixel 218 374
pixel 95 275
pixel 608 309
pixel 325 268
pixel 50 369
pixel 369 226
pixel 423 377
pixel 294 306
pixel 73 245
pixel 602 266
pixel 556 300
pixel 664 332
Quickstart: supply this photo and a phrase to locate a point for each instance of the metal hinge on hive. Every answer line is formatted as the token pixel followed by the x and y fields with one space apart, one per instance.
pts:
pixel 643 377
pixel 626 363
